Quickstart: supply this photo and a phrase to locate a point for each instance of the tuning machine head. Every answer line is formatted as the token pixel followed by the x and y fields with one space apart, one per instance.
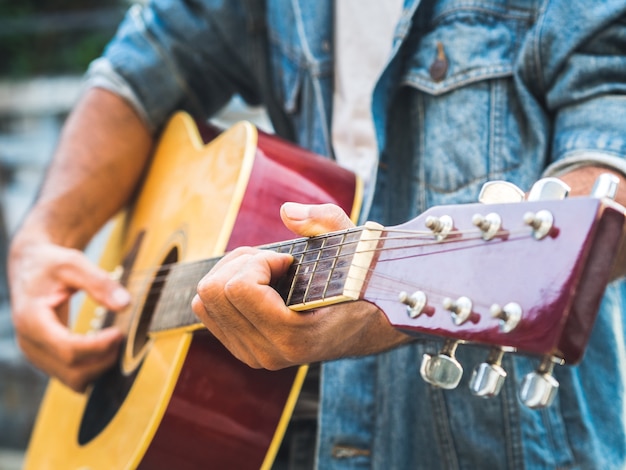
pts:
pixel 548 189
pixel 441 227
pixel 495 192
pixel 605 186
pixel 442 370
pixel 539 388
pixel 489 376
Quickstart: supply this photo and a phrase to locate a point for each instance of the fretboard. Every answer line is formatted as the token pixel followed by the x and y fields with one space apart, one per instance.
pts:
pixel 325 270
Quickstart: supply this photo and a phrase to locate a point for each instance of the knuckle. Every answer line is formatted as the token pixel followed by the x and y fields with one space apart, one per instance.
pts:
pixel 200 309
pixel 243 250
pixel 234 287
pixel 207 286
pixel 196 305
pixel 268 362
pixel 335 214
pixel 68 355
pixel 282 355
pixel 69 258
pixel 251 361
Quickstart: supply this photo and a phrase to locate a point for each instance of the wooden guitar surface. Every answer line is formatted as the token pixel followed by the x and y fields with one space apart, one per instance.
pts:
pixel 178 399
pixel 522 277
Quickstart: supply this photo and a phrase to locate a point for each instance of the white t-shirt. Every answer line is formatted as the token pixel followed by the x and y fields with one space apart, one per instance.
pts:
pixel 363 39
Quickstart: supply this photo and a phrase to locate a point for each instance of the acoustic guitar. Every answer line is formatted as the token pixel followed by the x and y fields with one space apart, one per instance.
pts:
pixel 524 277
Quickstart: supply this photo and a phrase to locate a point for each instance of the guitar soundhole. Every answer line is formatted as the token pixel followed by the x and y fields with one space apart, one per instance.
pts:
pixel 111 389
pixel 108 393
pixel 152 299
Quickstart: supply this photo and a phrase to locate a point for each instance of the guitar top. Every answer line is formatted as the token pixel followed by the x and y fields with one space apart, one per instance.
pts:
pixel 524 277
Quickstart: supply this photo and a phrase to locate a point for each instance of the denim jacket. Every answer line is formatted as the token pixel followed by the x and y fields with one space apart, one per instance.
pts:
pixel 526 84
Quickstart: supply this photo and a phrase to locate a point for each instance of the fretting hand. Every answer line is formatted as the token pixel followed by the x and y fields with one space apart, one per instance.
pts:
pixel 237 304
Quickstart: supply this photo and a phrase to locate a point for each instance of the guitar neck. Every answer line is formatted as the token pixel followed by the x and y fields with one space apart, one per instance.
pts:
pixel 452 280
pixel 326 269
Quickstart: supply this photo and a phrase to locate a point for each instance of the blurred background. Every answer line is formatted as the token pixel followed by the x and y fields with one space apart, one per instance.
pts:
pixel 45 46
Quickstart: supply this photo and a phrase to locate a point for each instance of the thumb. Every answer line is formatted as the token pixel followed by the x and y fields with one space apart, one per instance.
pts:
pixel 309 220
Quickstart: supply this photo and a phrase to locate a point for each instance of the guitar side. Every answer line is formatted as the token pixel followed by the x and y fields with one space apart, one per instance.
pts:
pixel 190 403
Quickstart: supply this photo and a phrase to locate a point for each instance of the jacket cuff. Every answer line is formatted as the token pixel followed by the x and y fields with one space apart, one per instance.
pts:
pixel 586 158
pixel 101 74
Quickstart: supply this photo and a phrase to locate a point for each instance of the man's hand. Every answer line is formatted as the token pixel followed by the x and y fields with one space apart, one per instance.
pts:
pixel 237 304
pixel 104 145
pixel 43 277
pixel 581 181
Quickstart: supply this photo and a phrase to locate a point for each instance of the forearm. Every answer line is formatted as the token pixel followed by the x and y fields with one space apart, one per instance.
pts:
pixel 582 179
pixel 102 152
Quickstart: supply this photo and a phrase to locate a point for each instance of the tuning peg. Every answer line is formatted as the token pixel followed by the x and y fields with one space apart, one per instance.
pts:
pixel 509 315
pixel 440 226
pixel 416 303
pixel 442 370
pixel 548 189
pixel 496 192
pixel 539 388
pixel 489 224
pixel 605 186
pixel 541 222
pixel 488 377
pixel 461 309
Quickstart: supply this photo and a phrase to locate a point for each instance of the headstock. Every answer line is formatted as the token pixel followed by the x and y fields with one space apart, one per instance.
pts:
pixel 521 275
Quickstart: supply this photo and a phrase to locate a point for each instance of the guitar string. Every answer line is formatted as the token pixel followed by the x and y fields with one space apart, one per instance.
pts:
pixel 391 285
pixel 141 275
pixel 396 282
pixel 198 268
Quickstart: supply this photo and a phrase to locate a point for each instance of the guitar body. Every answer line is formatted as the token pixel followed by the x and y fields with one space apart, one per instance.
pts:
pixel 178 399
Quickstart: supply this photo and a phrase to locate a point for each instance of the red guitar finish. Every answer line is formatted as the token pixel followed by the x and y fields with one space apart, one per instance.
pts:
pixel 558 281
pixel 221 408
pixel 179 400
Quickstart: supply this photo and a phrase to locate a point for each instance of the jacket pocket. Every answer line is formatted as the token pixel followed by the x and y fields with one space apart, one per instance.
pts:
pixel 464 110
pixel 464 47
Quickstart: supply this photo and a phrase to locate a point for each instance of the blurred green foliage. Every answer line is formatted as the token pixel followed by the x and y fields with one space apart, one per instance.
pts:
pixel 52 37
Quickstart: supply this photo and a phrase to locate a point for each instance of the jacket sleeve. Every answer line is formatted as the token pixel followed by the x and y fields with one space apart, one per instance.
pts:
pixel 191 55
pixel 578 76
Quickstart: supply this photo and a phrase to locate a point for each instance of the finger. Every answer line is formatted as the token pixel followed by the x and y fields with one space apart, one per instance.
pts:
pixel 233 324
pixel 79 360
pixel 249 291
pixel 228 260
pixel 274 324
pixel 310 220
pixel 212 307
pixel 80 273
pixel 67 346
pixel 230 339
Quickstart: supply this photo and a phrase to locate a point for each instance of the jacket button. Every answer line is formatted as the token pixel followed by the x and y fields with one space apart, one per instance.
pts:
pixel 439 68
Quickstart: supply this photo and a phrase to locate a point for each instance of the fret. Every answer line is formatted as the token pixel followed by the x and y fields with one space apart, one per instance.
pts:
pixel 310 263
pixel 298 251
pixel 346 261
pixel 340 262
pixel 324 269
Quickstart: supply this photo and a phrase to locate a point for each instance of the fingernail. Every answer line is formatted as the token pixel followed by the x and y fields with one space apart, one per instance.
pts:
pixel 120 296
pixel 296 211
